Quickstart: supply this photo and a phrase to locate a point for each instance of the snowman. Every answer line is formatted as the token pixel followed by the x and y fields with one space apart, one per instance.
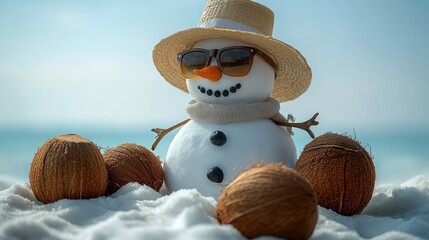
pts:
pixel 237 74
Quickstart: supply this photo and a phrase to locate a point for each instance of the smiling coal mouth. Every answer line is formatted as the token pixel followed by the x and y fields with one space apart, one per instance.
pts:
pixel 218 93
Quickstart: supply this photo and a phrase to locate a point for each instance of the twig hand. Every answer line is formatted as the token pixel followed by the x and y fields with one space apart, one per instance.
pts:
pixel 160 133
pixel 303 125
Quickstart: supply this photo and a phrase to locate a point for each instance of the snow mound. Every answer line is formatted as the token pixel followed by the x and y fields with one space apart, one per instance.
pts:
pixel 396 211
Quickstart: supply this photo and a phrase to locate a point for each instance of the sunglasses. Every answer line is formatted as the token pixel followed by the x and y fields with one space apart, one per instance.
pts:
pixel 233 61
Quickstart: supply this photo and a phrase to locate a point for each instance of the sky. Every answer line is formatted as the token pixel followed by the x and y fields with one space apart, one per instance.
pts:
pixel 89 63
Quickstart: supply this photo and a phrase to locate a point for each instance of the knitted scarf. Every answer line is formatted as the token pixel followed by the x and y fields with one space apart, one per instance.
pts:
pixel 225 114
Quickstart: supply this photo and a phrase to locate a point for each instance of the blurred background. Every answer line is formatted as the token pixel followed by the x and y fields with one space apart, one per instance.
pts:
pixel 85 67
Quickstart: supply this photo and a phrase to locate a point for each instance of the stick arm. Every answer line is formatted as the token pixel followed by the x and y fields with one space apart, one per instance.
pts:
pixel 303 125
pixel 160 133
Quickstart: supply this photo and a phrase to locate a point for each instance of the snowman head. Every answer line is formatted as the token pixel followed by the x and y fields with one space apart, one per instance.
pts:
pixel 211 85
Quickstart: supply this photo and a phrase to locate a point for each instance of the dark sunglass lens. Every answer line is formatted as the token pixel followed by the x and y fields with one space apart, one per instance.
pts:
pixel 193 60
pixel 235 62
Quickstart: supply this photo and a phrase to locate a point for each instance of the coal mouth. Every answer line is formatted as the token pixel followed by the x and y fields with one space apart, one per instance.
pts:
pixel 219 93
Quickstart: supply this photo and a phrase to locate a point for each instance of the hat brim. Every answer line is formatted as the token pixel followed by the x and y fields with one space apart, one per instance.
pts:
pixel 293 76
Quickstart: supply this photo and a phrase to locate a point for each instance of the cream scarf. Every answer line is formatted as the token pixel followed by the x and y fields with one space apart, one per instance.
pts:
pixel 225 114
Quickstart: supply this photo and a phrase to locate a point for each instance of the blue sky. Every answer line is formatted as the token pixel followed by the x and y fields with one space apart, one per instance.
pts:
pixel 89 63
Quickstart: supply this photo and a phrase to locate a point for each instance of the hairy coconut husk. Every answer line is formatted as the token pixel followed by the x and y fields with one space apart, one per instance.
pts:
pixel 132 163
pixel 68 166
pixel 341 172
pixel 269 200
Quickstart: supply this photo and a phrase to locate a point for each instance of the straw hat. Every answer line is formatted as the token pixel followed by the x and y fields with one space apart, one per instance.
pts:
pixel 245 21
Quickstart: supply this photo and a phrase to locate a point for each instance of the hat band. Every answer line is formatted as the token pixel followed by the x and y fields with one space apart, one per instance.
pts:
pixel 224 23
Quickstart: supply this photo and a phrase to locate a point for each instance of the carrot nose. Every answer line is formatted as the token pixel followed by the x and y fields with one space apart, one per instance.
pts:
pixel 211 73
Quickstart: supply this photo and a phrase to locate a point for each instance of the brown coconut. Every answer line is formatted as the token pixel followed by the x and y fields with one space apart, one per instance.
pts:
pixel 68 166
pixel 341 171
pixel 269 200
pixel 133 163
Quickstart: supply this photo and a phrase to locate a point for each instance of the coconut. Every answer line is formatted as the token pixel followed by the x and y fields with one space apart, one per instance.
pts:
pixel 68 166
pixel 132 163
pixel 269 200
pixel 341 171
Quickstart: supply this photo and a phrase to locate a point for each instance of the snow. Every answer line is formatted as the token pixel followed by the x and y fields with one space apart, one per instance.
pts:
pixel 396 211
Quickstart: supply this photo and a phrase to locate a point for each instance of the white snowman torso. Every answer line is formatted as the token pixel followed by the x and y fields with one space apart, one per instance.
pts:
pixel 200 147
pixel 208 156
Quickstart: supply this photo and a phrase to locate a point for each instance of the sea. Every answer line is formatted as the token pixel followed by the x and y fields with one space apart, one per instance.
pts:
pixel 398 156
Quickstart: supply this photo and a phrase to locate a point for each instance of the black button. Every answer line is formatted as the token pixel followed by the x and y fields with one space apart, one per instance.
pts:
pixel 209 92
pixel 233 89
pixel 215 175
pixel 238 86
pixel 225 93
pixel 203 90
pixel 218 138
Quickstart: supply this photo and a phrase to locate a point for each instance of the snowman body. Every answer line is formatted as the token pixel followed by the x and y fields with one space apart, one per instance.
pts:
pixel 192 153
pixel 208 156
